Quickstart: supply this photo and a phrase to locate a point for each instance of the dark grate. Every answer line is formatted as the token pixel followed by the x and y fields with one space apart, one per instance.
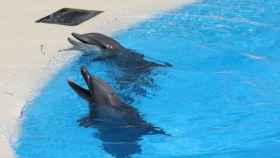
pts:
pixel 69 16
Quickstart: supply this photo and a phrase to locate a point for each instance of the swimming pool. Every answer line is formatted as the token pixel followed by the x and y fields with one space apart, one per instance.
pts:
pixel 220 98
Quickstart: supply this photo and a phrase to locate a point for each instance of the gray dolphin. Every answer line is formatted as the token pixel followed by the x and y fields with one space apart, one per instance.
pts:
pixel 106 47
pixel 120 126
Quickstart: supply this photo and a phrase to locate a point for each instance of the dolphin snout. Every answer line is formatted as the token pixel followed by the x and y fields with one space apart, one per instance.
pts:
pixel 75 34
pixel 90 39
pixel 79 37
pixel 87 77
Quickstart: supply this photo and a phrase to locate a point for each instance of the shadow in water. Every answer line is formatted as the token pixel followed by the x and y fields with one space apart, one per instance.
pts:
pixel 120 142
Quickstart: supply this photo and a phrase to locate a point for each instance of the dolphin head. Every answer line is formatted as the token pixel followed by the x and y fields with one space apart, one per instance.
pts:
pixel 99 40
pixel 98 92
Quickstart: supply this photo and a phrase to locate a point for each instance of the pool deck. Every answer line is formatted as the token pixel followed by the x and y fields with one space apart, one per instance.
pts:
pixel 29 51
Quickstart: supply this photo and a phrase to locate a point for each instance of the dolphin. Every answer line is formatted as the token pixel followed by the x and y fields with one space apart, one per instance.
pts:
pixel 105 47
pixel 119 125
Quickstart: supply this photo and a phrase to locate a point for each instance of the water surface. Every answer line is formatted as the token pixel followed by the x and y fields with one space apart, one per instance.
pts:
pixel 221 98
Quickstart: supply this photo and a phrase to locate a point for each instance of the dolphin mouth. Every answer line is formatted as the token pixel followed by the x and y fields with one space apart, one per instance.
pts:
pixel 93 41
pixel 79 37
pixel 88 78
pixel 83 45
pixel 74 42
pixel 83 92
pixel 78 40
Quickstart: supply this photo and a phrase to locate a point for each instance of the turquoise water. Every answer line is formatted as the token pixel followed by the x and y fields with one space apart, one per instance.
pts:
pixel 221 98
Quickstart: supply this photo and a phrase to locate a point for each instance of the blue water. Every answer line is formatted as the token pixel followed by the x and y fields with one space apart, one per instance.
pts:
pixel 221 99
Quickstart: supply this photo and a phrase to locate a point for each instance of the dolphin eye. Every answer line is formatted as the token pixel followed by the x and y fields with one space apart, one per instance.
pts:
pixel 109 46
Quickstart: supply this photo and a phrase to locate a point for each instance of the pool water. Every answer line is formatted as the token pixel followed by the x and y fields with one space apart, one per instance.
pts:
pixel 220 99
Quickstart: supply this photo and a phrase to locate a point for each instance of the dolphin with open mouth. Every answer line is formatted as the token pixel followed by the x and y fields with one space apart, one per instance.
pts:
pixel 119 125
pixel 105 48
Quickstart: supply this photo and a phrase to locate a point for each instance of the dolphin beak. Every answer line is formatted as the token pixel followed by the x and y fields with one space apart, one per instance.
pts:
pixel 82 92
pixel 73 42
pixel 79 37
pixel 76 35
pixel 88 78
pixel 82 38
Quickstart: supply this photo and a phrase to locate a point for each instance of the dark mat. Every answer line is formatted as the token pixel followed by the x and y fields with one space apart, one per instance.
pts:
pixel 69 16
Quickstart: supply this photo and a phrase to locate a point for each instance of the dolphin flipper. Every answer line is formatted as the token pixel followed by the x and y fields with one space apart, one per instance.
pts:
pixel 157 130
